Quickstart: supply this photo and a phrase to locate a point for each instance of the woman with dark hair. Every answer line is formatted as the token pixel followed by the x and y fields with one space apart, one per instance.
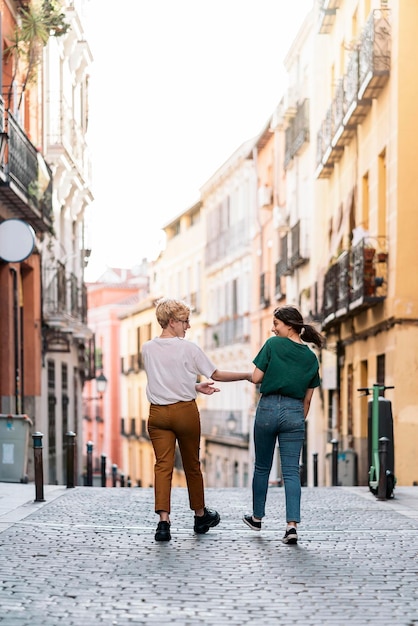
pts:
pixel 288 371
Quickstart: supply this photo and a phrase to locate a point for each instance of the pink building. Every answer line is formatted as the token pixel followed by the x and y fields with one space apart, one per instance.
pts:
pixel 113 294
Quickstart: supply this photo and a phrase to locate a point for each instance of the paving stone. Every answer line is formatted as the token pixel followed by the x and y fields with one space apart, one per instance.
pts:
pixel 87 556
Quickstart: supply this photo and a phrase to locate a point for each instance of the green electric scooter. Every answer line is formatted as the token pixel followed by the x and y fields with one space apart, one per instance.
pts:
pixel 374 471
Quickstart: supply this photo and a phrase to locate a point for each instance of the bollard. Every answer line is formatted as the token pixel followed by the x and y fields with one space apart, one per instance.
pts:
pixel 70 459
pixel 315 469
pixel 129 482
pixel 334 462
pixel 103 470
pixel 383 466
pixel 89 482
pixel 122 479
pixel 39 467
pixel 114 474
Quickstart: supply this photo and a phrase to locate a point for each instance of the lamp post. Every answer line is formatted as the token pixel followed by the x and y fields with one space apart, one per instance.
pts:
pixel 101 386
pixel 231 423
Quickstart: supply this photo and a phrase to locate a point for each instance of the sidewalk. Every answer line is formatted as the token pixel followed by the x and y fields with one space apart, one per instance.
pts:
pixel 87 556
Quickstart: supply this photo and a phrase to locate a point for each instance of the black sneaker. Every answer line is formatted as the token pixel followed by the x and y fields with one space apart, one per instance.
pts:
pixel 290 536
pixel 208 520
pixel 251 522
pixel 163 532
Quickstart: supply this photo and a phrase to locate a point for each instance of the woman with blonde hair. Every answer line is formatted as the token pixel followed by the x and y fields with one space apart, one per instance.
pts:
pixel 172 365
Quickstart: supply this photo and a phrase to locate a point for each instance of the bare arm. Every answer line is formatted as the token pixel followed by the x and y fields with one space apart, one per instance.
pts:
pixel 307 401
pixel 257 376
pixel 229 377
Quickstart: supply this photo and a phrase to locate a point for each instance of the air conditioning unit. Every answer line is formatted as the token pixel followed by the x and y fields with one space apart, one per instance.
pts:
pixel 265 196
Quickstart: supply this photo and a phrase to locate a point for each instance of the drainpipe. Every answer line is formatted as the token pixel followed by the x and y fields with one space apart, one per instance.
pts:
pixel 16 331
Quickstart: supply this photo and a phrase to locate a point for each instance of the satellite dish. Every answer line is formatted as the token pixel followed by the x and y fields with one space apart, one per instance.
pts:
pixel 17 240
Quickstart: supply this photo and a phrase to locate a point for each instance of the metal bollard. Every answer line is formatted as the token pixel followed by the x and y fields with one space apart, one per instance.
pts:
pixel 129 482
pixel 122 479
pixel 70 459
pixel 89 482
pixel 114 474
pixel 103 469
pixel 334 462
pixel 39 467
pixel 383 463
pixel 315 469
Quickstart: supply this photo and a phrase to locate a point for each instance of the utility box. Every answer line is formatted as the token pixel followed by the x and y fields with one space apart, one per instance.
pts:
pixel 14 443
pixel 347 468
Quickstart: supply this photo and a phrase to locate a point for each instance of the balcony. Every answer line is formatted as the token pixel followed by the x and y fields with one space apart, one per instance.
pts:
pixel 225 243
pixel 264 298
pixel 131 364
pixel 227 332
pixel 367 73
pixel 297 133
pixel 218 425
pixel 356 281
pixel 280 271
pixel 25 178
pixel 64 302
pixel 298 256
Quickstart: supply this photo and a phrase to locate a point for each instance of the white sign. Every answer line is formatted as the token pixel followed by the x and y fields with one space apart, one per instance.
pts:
pixel 17 240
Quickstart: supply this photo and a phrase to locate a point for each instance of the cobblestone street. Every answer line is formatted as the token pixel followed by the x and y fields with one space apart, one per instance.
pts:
pixel 88 556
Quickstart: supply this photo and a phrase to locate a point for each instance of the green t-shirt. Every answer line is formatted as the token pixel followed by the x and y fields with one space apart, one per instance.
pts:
pixel 289 368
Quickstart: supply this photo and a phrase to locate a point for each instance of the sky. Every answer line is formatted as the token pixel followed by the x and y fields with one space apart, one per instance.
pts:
pixel 176 86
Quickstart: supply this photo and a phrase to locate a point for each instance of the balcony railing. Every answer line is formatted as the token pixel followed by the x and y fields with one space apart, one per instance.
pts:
pixel 226 243
pixel 227 332
pixel 299 255
pixel 357 280
pixel 215 424
pixel 367 73
pixel 280 271
pixel 63 295
pixel 25 177
pixel 297 133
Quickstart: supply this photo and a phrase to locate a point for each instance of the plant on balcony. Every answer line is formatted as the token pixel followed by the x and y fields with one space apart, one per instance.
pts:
pixel 37 21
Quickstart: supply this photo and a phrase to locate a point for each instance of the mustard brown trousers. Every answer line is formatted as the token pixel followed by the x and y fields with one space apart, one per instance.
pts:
pixel 167 424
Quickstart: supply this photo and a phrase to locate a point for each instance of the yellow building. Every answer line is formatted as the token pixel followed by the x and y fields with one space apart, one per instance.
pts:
pixel 365 194
pixel 177 273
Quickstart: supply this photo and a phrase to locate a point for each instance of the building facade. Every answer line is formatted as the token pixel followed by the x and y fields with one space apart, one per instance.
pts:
pixel 45 184
pixel 229 200
pixel 366 184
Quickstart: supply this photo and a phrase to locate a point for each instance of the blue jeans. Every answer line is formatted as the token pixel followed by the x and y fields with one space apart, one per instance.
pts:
pixel 282 418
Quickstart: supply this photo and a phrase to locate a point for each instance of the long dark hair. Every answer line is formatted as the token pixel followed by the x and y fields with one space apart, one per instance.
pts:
pixel 290 316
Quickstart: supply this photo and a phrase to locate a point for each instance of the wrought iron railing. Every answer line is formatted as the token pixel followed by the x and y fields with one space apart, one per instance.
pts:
pixel 367 72
pixel 357 279
pixel 227 332
pixel 27 169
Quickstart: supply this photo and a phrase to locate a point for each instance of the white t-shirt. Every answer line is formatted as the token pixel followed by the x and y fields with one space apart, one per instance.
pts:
pixel 172 366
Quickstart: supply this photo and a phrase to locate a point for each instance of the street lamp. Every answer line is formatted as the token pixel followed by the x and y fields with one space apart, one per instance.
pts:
pixel 101 384
pixel 231 423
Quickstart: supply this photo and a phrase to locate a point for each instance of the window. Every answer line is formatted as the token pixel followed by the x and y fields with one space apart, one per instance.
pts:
pixel 380 372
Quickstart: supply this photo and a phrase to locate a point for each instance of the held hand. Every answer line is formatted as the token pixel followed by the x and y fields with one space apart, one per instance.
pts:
pixel 206 388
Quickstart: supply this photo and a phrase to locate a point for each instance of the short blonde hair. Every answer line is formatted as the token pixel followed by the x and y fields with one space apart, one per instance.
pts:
pixel 169 308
